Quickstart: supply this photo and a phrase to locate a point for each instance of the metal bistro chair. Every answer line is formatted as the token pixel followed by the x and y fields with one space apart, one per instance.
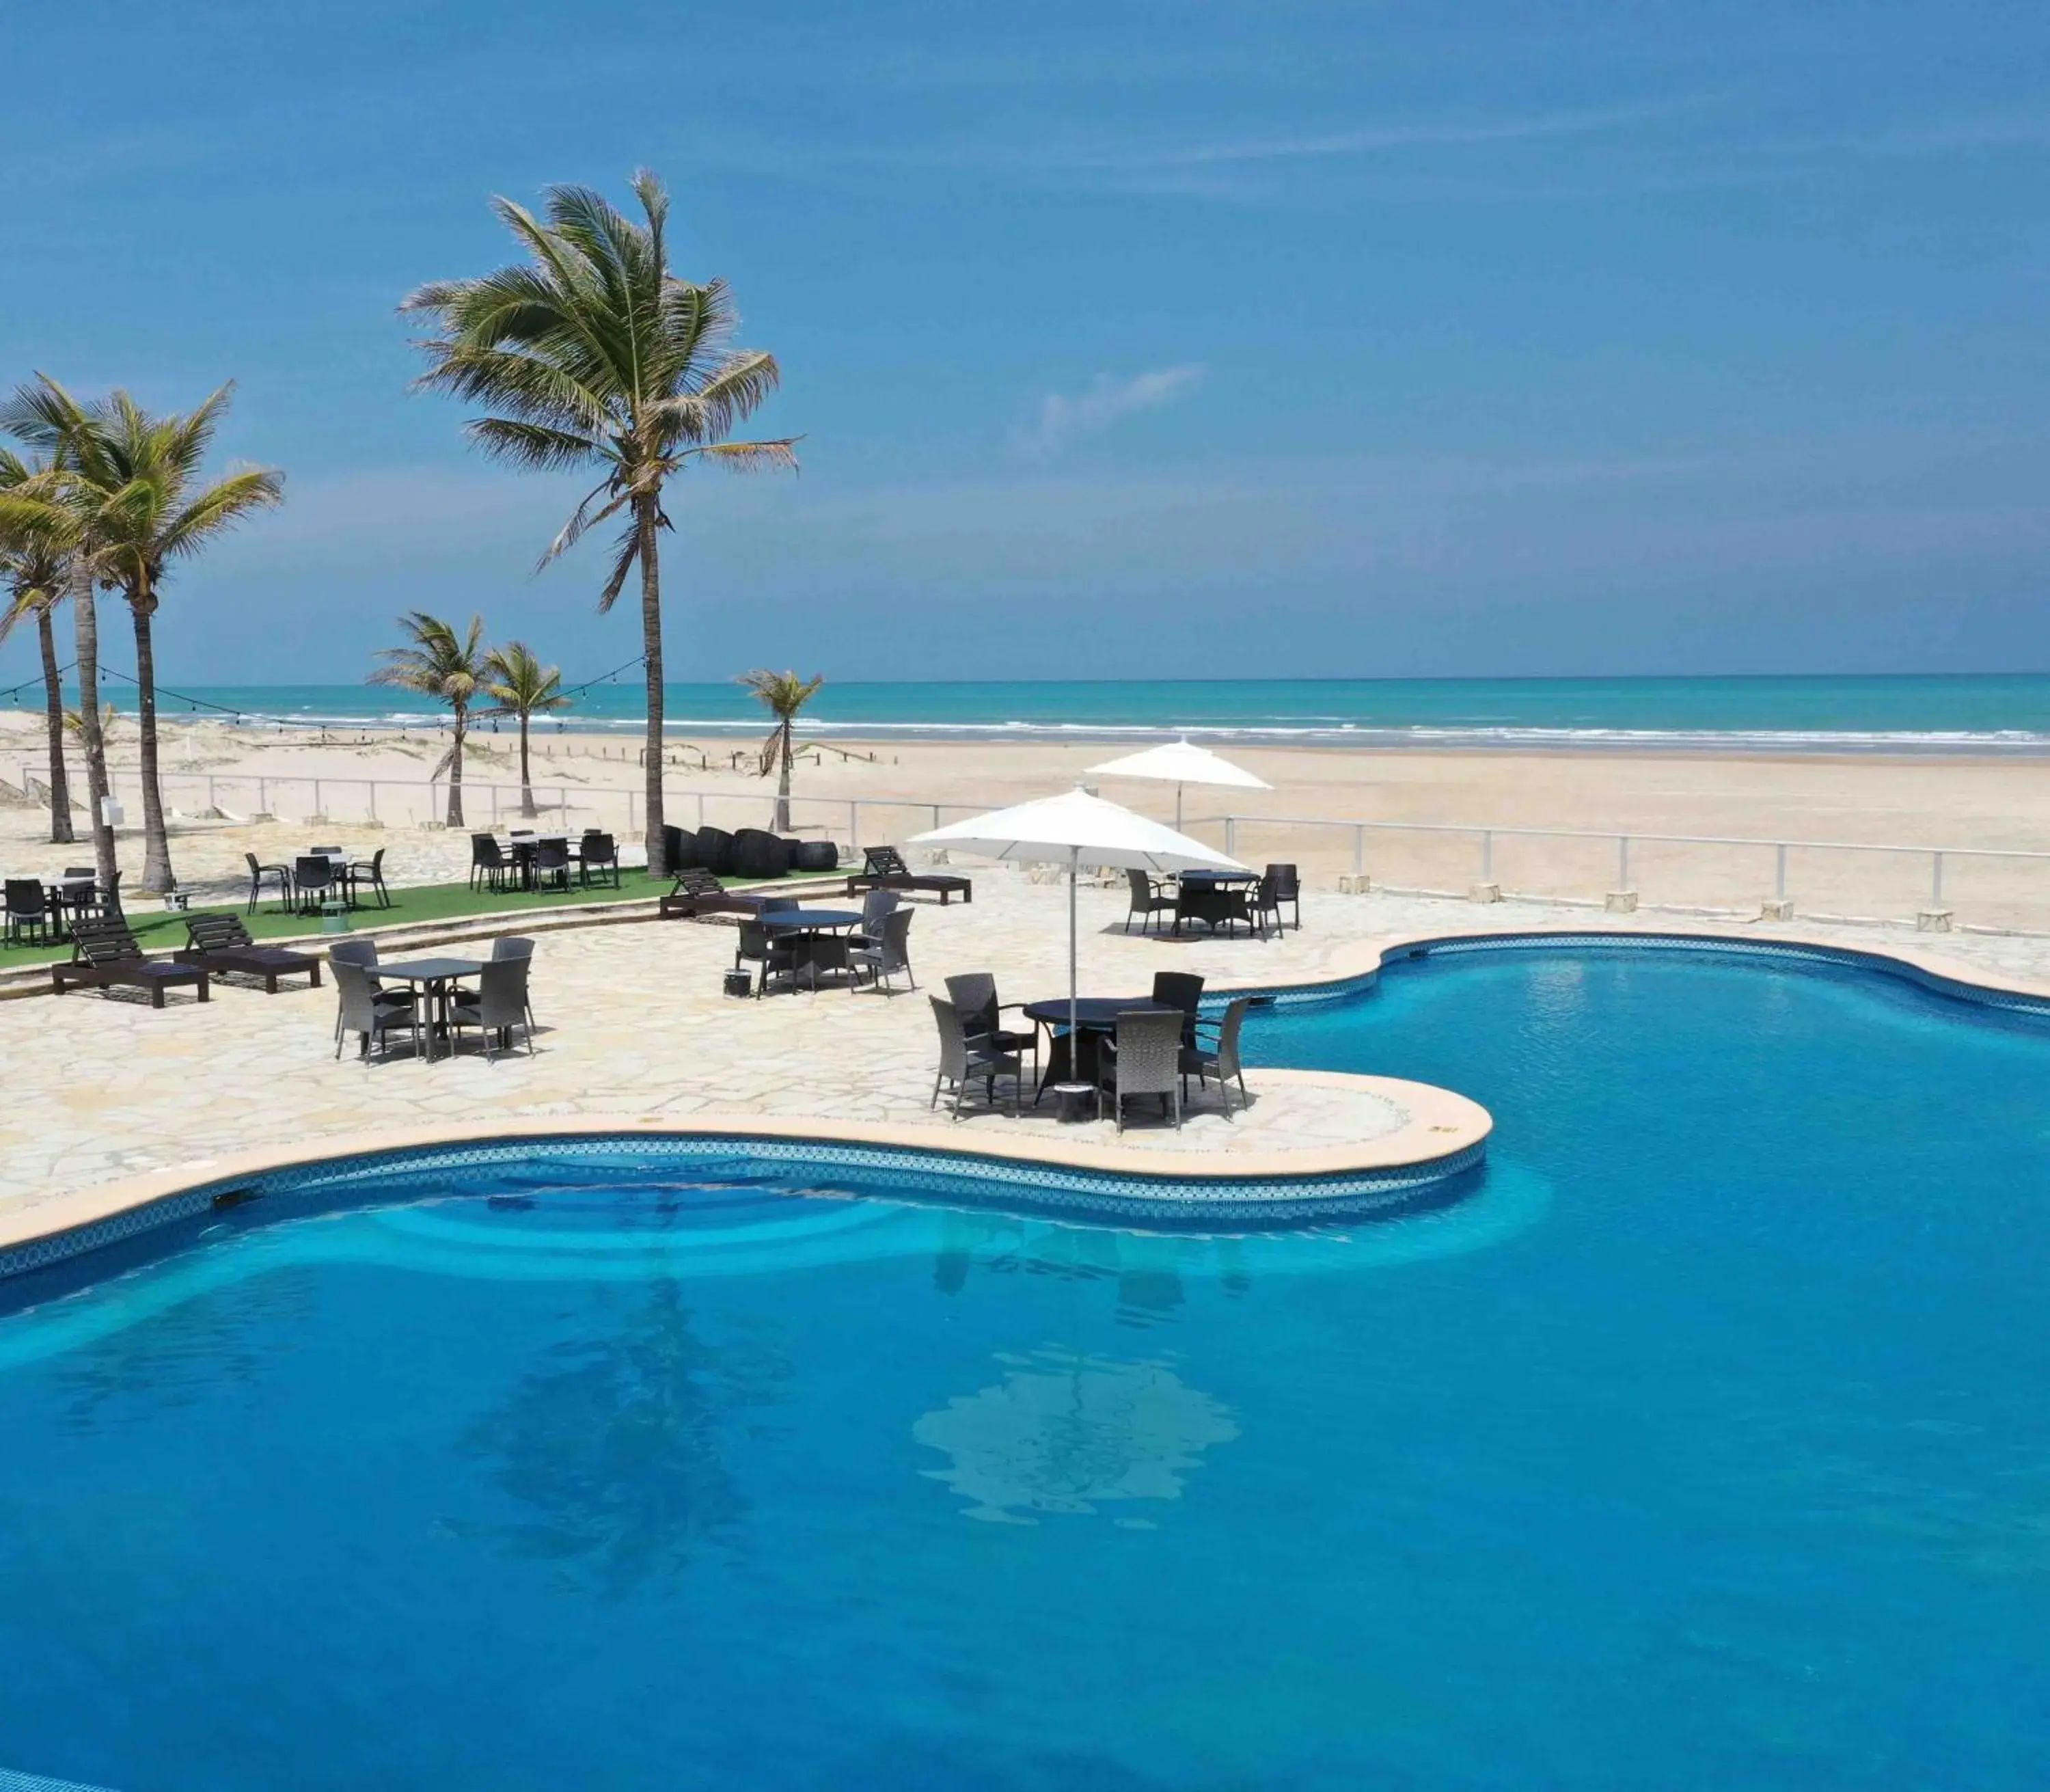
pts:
pixel 964 1061
pixel 974 994
pixel 259 871
pixel 1221 1061
pixel 1142 1058
pixel 599 857
pixel 373 1014
pixel 1150 897
pixel 497 1005
pixel 887 956
pixel 27 911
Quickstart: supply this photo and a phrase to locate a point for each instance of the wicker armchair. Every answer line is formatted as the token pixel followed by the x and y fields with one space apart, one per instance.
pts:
pixel 497 1005
pixel 373 1014
pixel 1142 1058
pixel 1220 1058
pixel 964 1061
pixel 885 957
pixel 975 995
pixel 1150 897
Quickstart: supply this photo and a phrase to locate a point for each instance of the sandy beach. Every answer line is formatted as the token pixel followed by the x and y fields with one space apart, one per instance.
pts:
pixel 372 789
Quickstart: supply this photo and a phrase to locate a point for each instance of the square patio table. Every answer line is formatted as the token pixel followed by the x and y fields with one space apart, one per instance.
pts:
pixel 432 977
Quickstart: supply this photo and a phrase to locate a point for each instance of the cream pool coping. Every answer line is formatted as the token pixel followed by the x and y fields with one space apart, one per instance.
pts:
pixel 1438 1124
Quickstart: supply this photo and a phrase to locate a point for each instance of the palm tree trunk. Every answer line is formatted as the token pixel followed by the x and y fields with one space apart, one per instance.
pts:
pixel 46 637
pixel 783 784
pixel 157 875
pixel 86 615
pixel 526 777
pixel 651 655
pixel 455 769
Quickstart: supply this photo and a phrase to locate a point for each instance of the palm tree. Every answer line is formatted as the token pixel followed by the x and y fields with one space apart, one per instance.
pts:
pixel 36 576
pixel 525 688
pixel 597 356
pixel 63 510
pixel 783 694
pixel 444 664
pixel 143 474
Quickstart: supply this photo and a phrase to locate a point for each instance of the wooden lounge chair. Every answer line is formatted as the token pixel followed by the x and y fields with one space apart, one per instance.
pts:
pixel 221 943
pixel 106 954
pixel 883 869
pixel 698 893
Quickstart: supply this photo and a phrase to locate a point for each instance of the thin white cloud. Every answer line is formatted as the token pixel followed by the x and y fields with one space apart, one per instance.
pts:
pixel 1063 421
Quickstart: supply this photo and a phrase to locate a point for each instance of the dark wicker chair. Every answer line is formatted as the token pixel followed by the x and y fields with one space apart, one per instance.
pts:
pixel 598 856
pixel 1219 1059
pixel 312 879
pixel 489 865
pixel 1281 884
pixel 371 872
pixel 372 1013
pixel 108 956
pixel 1182 990
pixel 884 958
pixel 497 1005
pixel 220 944
pixel 1143 1057
pixel 551 865
pixel 974 994
pixel 28 911
pixel 1149 897
pixel 258 873
pixel 775 954
pixel 512 945
pixel 964 1061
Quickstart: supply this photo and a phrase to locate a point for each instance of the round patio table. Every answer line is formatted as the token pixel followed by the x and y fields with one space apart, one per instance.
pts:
pixel 811 926
pixel 1095 1016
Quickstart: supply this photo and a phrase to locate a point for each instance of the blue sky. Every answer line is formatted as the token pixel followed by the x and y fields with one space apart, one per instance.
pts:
pixel 1189 339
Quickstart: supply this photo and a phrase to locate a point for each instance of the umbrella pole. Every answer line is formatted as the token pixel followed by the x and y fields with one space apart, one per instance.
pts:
pixel 1075 1032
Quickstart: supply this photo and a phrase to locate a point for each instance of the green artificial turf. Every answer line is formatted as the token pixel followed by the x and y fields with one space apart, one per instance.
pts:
pixel 157 929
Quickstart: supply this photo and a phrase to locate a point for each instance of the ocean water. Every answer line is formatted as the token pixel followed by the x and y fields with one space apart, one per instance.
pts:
pixel 2008 713
pixel 1699 1444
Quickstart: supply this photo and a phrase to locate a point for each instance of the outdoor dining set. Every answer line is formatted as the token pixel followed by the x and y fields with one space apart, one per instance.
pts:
pixel 1219 900
pixel 1114 1048
pixel 528 860
pixel 39 911
pixel 794 945
pixel 318 877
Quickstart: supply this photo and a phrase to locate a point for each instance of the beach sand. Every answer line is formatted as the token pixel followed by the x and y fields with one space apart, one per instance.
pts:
pixel 373 790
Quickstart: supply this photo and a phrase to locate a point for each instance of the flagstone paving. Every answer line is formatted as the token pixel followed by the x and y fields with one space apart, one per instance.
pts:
pixel 633 1025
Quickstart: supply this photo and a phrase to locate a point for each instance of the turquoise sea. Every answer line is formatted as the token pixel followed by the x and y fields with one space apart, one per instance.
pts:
pixel 1993 713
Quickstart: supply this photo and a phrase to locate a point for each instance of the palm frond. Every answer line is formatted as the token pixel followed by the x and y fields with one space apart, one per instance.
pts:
pixel 629 551
pixel 750 457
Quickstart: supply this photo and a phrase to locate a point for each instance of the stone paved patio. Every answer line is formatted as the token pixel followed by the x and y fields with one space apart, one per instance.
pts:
pixel 633 1025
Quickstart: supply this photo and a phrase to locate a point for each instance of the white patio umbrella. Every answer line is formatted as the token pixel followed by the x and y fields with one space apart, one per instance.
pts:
pixel 1179 762
pixel 1081 830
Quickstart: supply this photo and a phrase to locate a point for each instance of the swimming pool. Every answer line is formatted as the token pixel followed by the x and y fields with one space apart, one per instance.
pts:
pixel 1700 1442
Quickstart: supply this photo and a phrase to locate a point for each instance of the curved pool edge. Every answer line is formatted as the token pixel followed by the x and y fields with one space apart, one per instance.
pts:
pixel 1443 1134
pixel 1356 966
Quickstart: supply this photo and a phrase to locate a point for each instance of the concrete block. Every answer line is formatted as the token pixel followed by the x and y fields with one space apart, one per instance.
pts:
pixel 1776 909
pixel 1620 902
pixel 1932 920
pixel 1485 892
pixel 1352 884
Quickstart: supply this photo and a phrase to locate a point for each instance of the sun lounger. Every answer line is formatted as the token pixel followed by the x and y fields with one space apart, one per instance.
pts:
pixel 883 869
pixel 698 892
pixel 221 943
pixel 107 955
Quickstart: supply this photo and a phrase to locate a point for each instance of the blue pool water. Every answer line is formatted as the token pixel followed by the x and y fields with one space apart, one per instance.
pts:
pixel 1704 1443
